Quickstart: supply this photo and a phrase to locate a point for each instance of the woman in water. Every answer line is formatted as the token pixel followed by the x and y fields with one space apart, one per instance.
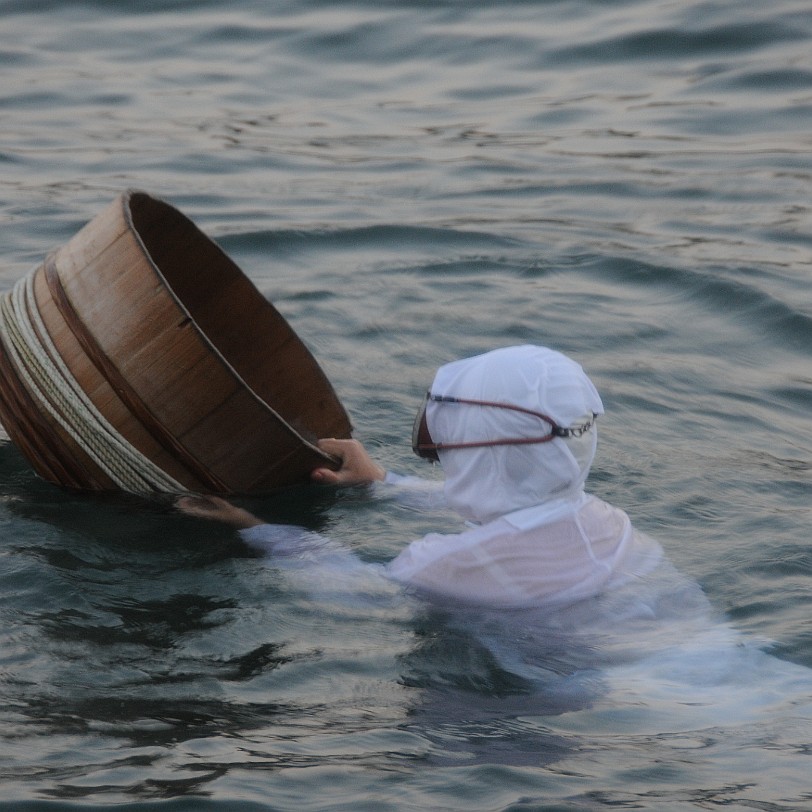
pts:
pixel 515 433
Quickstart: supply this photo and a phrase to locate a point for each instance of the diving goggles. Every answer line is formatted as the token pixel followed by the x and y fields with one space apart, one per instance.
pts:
pixel 425 447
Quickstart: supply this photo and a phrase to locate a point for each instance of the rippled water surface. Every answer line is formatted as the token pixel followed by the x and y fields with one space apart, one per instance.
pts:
pixel 410 183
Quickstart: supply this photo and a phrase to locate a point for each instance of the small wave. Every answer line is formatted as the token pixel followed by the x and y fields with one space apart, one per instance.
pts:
pixel 729 298
pixel 681 42
pixel 369 238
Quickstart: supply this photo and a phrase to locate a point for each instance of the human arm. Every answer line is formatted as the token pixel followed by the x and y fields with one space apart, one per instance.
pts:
pixel 280 540
pixel 358 468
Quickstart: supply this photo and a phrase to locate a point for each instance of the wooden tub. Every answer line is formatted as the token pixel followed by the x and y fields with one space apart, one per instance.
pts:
pixel 173 372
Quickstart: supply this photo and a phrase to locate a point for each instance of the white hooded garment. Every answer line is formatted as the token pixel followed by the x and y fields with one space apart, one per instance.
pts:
pixel 611 629
pixel 536 538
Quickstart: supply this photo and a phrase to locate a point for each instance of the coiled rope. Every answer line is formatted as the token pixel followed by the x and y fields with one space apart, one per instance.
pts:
pixel 50 382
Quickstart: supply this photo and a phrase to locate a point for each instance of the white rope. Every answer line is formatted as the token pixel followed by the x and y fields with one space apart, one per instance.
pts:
pixel 51 382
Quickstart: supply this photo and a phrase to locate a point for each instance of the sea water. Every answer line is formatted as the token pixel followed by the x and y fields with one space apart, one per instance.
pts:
pixel 410 183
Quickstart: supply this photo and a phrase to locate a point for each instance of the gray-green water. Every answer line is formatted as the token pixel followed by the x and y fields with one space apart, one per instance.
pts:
pixel 410 183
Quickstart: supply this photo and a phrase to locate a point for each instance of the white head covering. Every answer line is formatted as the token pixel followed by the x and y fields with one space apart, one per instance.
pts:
pixel 484 483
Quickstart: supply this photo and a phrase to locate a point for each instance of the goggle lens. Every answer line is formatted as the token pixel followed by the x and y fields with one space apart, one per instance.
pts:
pixel 422 444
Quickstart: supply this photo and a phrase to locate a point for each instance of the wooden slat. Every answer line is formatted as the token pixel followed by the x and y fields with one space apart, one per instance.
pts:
pixel 99 390
pixel 139 408
pixel 51 452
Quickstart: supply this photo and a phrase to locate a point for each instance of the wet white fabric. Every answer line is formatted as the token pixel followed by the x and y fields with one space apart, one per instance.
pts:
pixel 583 547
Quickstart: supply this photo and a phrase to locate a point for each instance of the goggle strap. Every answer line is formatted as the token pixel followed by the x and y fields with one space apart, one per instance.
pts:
pixel 486 443
pixel 555 429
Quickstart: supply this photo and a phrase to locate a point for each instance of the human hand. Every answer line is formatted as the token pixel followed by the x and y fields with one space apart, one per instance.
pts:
pixel 357 467
pixel 217 509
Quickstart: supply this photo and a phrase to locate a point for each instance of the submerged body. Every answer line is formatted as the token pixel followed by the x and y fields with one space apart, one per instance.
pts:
pixel 550 586
pixel 630 639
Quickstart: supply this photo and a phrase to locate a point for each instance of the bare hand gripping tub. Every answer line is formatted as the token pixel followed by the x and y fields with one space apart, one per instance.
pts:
pixel 138 357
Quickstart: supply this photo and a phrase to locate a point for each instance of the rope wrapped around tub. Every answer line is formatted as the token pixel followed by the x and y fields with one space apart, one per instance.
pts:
pixel 39 364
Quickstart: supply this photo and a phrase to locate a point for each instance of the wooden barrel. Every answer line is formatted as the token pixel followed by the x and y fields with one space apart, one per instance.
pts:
pixel 180 362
